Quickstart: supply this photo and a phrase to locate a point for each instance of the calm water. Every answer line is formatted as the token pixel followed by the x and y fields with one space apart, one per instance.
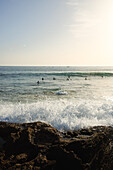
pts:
pixel 78 97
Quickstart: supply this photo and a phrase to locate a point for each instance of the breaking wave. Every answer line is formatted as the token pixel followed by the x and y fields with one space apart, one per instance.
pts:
pixel 72 74
pixel 62 114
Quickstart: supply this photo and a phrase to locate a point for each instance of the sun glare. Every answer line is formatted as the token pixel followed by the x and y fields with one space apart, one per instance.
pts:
pixel 110 30
pixel 110 24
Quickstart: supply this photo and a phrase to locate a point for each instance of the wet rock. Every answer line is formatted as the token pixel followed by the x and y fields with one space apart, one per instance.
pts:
pixel 40 146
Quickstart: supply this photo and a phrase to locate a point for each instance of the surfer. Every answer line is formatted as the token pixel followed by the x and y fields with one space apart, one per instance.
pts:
pixel 38 82
pixel 42 78
pixel 54 78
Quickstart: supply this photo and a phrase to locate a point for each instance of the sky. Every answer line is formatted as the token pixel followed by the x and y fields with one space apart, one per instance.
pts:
pixel 56 32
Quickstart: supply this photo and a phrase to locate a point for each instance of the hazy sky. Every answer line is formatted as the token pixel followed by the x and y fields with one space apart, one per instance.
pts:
pixel 56 32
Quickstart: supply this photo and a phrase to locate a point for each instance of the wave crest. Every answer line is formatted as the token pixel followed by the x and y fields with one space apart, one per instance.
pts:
pixel 63 115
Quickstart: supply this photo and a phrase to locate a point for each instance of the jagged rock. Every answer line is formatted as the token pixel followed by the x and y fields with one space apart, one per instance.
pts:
pixel 40 146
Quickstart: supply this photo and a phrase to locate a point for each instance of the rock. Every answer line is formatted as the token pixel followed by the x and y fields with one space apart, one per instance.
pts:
pixel 42 147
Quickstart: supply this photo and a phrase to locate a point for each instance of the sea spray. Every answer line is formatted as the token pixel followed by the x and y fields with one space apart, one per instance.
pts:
pixel 62 114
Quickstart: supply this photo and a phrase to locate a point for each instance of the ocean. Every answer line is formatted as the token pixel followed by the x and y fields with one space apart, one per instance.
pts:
pixel 66 97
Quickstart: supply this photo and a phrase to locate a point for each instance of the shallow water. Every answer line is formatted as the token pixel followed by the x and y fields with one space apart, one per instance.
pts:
pixel 85 99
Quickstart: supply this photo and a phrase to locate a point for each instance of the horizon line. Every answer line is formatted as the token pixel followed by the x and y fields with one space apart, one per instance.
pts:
pixel 56 65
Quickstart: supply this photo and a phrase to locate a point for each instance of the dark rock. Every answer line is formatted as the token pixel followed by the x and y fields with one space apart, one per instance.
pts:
pixel 42 147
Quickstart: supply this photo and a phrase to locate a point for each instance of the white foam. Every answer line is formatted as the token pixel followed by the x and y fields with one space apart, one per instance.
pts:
pixel 62 114
pixel 61 93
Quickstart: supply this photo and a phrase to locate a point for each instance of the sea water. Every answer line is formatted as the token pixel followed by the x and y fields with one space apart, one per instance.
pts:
pixel 67 97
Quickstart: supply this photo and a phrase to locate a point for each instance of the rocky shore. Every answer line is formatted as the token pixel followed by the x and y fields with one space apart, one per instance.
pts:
pixel 40 146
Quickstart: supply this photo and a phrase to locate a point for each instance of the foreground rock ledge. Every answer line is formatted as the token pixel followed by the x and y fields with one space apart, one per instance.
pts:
pixel 40 146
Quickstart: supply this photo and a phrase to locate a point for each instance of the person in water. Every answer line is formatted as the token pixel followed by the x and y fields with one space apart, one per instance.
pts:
pixel 38 82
